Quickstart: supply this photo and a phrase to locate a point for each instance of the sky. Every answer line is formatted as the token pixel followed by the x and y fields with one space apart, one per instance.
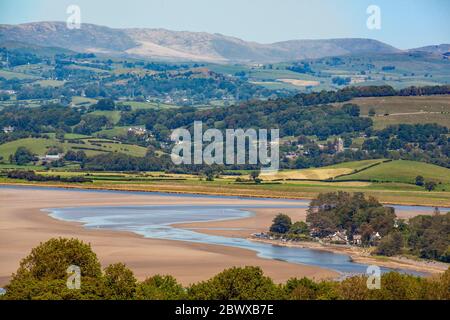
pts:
pixel 404 23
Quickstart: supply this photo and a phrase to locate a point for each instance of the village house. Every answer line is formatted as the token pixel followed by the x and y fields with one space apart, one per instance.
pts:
pixel 9 92
pixel 261 235
pixel 375 237
pixel 338 237
pixel 168 100
pixel 291 156
pixel 339 145
pixel 357 239
pixel 137 131
pixel 52 157
pixel 8 129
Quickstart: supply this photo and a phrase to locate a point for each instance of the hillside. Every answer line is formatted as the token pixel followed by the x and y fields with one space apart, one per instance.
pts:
pixel 91 146
pixel 402 171
pixel 406 110
pixel 378 170
pixel 181 45
pixel 440 49
pixel 323 173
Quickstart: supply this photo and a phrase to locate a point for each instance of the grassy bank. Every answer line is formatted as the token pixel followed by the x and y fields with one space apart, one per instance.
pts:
pixel 392 182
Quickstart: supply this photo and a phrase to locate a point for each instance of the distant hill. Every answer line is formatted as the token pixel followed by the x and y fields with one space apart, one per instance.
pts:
pixel 440 49
pixel 181 45
pixel 35 49
pixel 91 38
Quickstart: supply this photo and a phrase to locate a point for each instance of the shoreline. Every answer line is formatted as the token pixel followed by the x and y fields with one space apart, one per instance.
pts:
pixel 23 226
pixel 197 193
pixel 19 220
pixel 360 255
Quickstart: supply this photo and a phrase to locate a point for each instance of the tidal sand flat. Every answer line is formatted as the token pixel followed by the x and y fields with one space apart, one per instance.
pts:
pixel 23 226
pixel 156 222
pixel 190 237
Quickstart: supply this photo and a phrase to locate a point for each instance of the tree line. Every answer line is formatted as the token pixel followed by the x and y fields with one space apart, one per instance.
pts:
pixel 424 236
pixel 42 275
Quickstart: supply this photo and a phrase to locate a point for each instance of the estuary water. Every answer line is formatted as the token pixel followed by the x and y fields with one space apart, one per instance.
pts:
pixel 156 222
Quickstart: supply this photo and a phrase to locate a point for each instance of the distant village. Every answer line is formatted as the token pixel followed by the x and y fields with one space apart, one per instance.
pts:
pixel 338 237
pixel 337 146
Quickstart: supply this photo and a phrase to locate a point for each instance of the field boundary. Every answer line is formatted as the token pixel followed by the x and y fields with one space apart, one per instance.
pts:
pixel 358 171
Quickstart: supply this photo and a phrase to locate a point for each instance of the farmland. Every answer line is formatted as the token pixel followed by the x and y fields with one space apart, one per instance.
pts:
pixel 402 171
pixel 391 182
pixel 323 173
pixel 91 146
pixel 410 110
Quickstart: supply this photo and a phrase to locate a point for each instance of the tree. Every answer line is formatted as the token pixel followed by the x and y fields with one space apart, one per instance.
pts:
pixel 105 104
pixel 331 212
pixel 390 245
pixel 420 181
pixel 299 227
pixel 247 283
pixel 160 288
pixel 120 282
pixel 79 156
pixel 428 236
pixel 43 273
pixel 354 288
pixel 430 185
pixel 351 109
pixel 254 176
pixel 301 289
pixel 366 231
pixel 372 112
pixel 281 224
pixel 70 155
pixel 60 135
pixel 23 156
pixel 51 259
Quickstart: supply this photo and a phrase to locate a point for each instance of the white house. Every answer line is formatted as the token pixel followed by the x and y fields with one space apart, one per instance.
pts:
pixel 339 145
pixel 338 237
pixel 137 131
pixel 357 239
pixel 52 157
pixel 375 237
pixel 8 129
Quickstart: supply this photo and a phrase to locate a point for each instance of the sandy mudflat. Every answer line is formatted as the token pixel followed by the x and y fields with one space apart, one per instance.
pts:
pixel 23 226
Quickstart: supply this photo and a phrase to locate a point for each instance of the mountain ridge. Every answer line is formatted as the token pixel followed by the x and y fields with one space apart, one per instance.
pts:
pixel 164 44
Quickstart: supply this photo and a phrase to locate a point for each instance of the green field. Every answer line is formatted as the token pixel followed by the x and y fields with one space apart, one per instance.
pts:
pixel 409 110
pixel 113 116
pixel 50 83
pixel 83 101
pixel 390 182
pixel 111 133
pixel 16 75
pixel 394 193
pixel 323 173
pixel 36 145
pixel 401 171
pixel 31 103
pixel 357 165
pixel 135 105
pixel 90 146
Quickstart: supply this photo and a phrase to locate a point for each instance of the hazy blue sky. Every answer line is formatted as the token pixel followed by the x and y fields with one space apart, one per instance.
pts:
pixel 405 23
